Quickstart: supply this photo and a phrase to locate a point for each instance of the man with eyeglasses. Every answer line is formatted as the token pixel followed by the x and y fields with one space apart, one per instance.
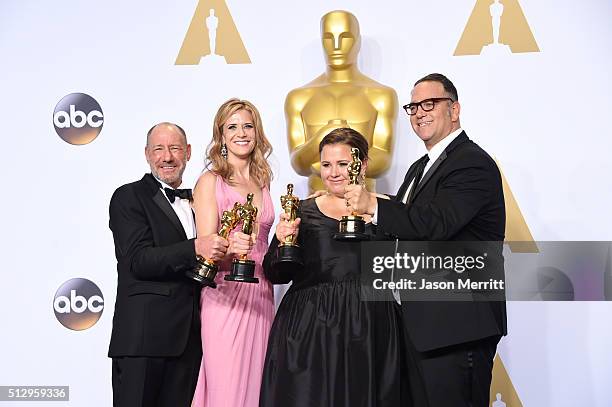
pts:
pixel 453 193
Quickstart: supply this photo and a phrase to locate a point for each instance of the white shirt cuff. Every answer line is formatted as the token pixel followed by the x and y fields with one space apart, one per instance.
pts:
pixel 375 214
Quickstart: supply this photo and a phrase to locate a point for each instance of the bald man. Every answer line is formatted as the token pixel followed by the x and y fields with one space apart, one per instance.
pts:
pixel 155 342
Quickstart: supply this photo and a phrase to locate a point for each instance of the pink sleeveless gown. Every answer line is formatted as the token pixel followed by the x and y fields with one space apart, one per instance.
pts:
pixel 236 320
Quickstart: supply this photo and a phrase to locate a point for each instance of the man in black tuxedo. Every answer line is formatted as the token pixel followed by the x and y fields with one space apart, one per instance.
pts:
pixel 454 193
pixel 155 342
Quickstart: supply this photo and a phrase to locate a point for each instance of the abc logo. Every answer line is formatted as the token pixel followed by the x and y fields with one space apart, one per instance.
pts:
pixel 78 119
pixel 78 304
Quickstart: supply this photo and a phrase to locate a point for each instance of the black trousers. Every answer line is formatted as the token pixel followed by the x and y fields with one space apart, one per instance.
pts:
pixel 457 376
pixel 156 381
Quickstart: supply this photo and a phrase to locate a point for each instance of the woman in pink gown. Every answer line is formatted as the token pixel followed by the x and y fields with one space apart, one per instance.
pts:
pixel 236 317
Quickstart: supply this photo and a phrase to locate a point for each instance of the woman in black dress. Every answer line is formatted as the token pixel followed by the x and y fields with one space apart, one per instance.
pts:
pixel 329 347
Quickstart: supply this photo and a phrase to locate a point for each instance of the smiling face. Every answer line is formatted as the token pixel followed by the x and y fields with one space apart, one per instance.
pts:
pixel 341 39
pixel 239 134
pixel 167 153
pixel 443 119
pixel 335 159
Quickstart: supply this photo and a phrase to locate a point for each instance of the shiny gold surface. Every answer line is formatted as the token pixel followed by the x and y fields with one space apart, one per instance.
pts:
pixel 229 220
pixel 290 204
pixel 207 268
pixel 354 168
pixel 339 97
pixel 248 214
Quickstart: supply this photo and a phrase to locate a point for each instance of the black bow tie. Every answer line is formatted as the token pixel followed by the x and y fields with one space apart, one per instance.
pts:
pixel 172 194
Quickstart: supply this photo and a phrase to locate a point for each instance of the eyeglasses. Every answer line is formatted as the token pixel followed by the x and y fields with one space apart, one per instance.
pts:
pixel 427 105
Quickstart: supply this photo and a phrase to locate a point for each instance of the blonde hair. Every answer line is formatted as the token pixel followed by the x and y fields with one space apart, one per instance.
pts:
pixel 259 168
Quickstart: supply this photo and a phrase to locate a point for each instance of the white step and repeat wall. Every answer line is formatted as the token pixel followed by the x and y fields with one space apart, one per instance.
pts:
pixel 542 111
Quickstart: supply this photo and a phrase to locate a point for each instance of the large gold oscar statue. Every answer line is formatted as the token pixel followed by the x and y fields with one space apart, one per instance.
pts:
pixel 340 97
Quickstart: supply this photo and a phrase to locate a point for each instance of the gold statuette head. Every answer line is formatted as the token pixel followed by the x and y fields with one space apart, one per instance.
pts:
pixel 341 38
pixel 229 220
pixel 290 203
pixel 248 214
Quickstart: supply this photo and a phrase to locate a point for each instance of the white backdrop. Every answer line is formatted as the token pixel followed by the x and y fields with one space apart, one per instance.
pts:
pixel 543 115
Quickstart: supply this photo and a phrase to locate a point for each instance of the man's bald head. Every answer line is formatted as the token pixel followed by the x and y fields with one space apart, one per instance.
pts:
pixel 167 126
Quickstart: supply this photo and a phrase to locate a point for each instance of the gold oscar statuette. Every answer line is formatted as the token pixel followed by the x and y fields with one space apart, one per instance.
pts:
pixel 206 269
pixel 243 269
pixel 341 96
pixel 352 227
pixel 289 256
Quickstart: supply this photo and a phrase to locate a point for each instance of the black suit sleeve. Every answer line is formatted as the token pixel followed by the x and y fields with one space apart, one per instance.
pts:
pixel 135 244
pixel 460 194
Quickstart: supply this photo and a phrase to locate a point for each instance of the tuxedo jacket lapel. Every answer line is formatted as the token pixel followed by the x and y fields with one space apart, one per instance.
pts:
pixel 462 138
pixel 160 200
pixel 429 173
pixel 407 179
pixel 164 205
pixel 402 191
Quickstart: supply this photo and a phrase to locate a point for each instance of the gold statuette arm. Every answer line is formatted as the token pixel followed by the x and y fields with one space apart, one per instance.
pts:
pixel 381 150
pixel 303 157
pixel 296 131
pixel 303 153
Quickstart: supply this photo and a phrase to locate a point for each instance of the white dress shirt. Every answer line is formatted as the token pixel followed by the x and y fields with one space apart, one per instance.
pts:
pixel 434 153
pixel 182 208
